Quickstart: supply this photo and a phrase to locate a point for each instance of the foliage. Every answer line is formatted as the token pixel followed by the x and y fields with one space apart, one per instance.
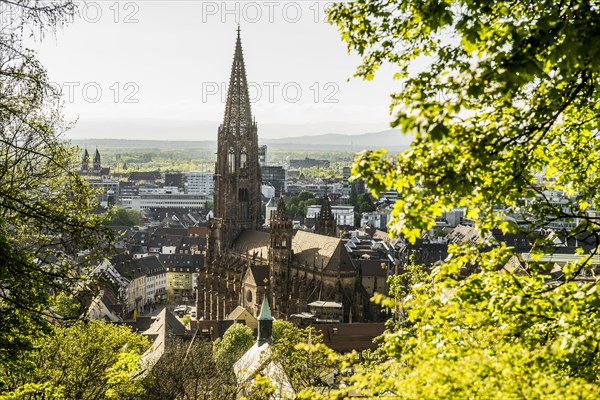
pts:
pixel 326 174
pixel 362 203
pixel 91 360
pixel 22 315
pixel 190 371
pixel 297 205
pixel 262 388
pixel 488 336
pixel 496 95
pixel 366 206
pixel 187 370
pixel 400 286
pixel 120 216
pixel 186 320
pixel 236 340
pixel 303 366
pixel 45 220
pixel 66 306
pixel 502 99
pixel 123 157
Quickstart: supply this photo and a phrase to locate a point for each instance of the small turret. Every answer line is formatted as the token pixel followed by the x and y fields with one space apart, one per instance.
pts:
pixel 265 323
pixel 326 223
pixel 281 213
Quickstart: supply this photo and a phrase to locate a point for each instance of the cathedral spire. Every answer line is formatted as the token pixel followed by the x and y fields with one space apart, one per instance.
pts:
pixel 237 109
pixel 237 196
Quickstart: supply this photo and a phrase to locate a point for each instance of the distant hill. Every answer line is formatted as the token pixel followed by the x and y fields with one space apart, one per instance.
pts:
pixel 391 139
pixel 143 144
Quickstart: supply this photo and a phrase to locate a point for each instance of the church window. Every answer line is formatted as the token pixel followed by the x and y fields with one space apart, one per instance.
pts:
pixel 243 194
pixel 231 159
pixel 249 296
pixel 244 162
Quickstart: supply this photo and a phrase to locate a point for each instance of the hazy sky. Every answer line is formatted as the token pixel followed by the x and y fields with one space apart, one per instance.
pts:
pixel 159 69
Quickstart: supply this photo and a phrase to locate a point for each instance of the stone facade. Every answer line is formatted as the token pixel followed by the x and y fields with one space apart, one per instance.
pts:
pixel 244 264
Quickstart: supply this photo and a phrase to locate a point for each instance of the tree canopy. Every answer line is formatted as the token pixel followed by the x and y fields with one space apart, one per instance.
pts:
pixel 236 340
pixel 88 360
pixel 47 230
pixel 502 99
pixel 188 370
pixel 120 216
pixel 497 95
pixel 298 205
pixel 302 366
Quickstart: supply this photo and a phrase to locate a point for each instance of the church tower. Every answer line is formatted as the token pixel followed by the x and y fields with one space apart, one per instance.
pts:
pixel 325 223
pixel 237 197
pixel 280 257
pixel 97 165
pixel 85 163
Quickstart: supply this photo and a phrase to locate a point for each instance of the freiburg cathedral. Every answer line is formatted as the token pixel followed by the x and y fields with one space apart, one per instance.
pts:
pixel 242 262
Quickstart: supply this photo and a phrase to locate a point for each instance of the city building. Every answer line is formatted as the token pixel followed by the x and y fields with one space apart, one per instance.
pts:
pixel 262 155
pixel 127 190
pixel 152 201
pixel 276 176
pixel 318 189
pixel 343 215
pixel 200 183
pixel 175 179
pixel 375 219
pixel 270 209
pixel 148 284
pixel 107 190
pixel 345 181
pixel 267 191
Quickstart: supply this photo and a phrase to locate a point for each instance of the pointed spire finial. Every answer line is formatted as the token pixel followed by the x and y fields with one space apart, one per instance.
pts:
pixel 281 213
pixel 265 309
pixel 265 322
pixel 237 108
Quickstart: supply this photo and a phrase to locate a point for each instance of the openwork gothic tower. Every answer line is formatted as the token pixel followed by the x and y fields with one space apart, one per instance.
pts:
pixel 237 198
pixel 296 268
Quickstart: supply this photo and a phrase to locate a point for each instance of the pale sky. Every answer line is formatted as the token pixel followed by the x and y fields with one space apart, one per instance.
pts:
pixel 158 69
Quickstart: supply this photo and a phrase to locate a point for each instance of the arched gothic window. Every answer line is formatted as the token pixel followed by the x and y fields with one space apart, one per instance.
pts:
pixel 231 160
pixel 244 162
